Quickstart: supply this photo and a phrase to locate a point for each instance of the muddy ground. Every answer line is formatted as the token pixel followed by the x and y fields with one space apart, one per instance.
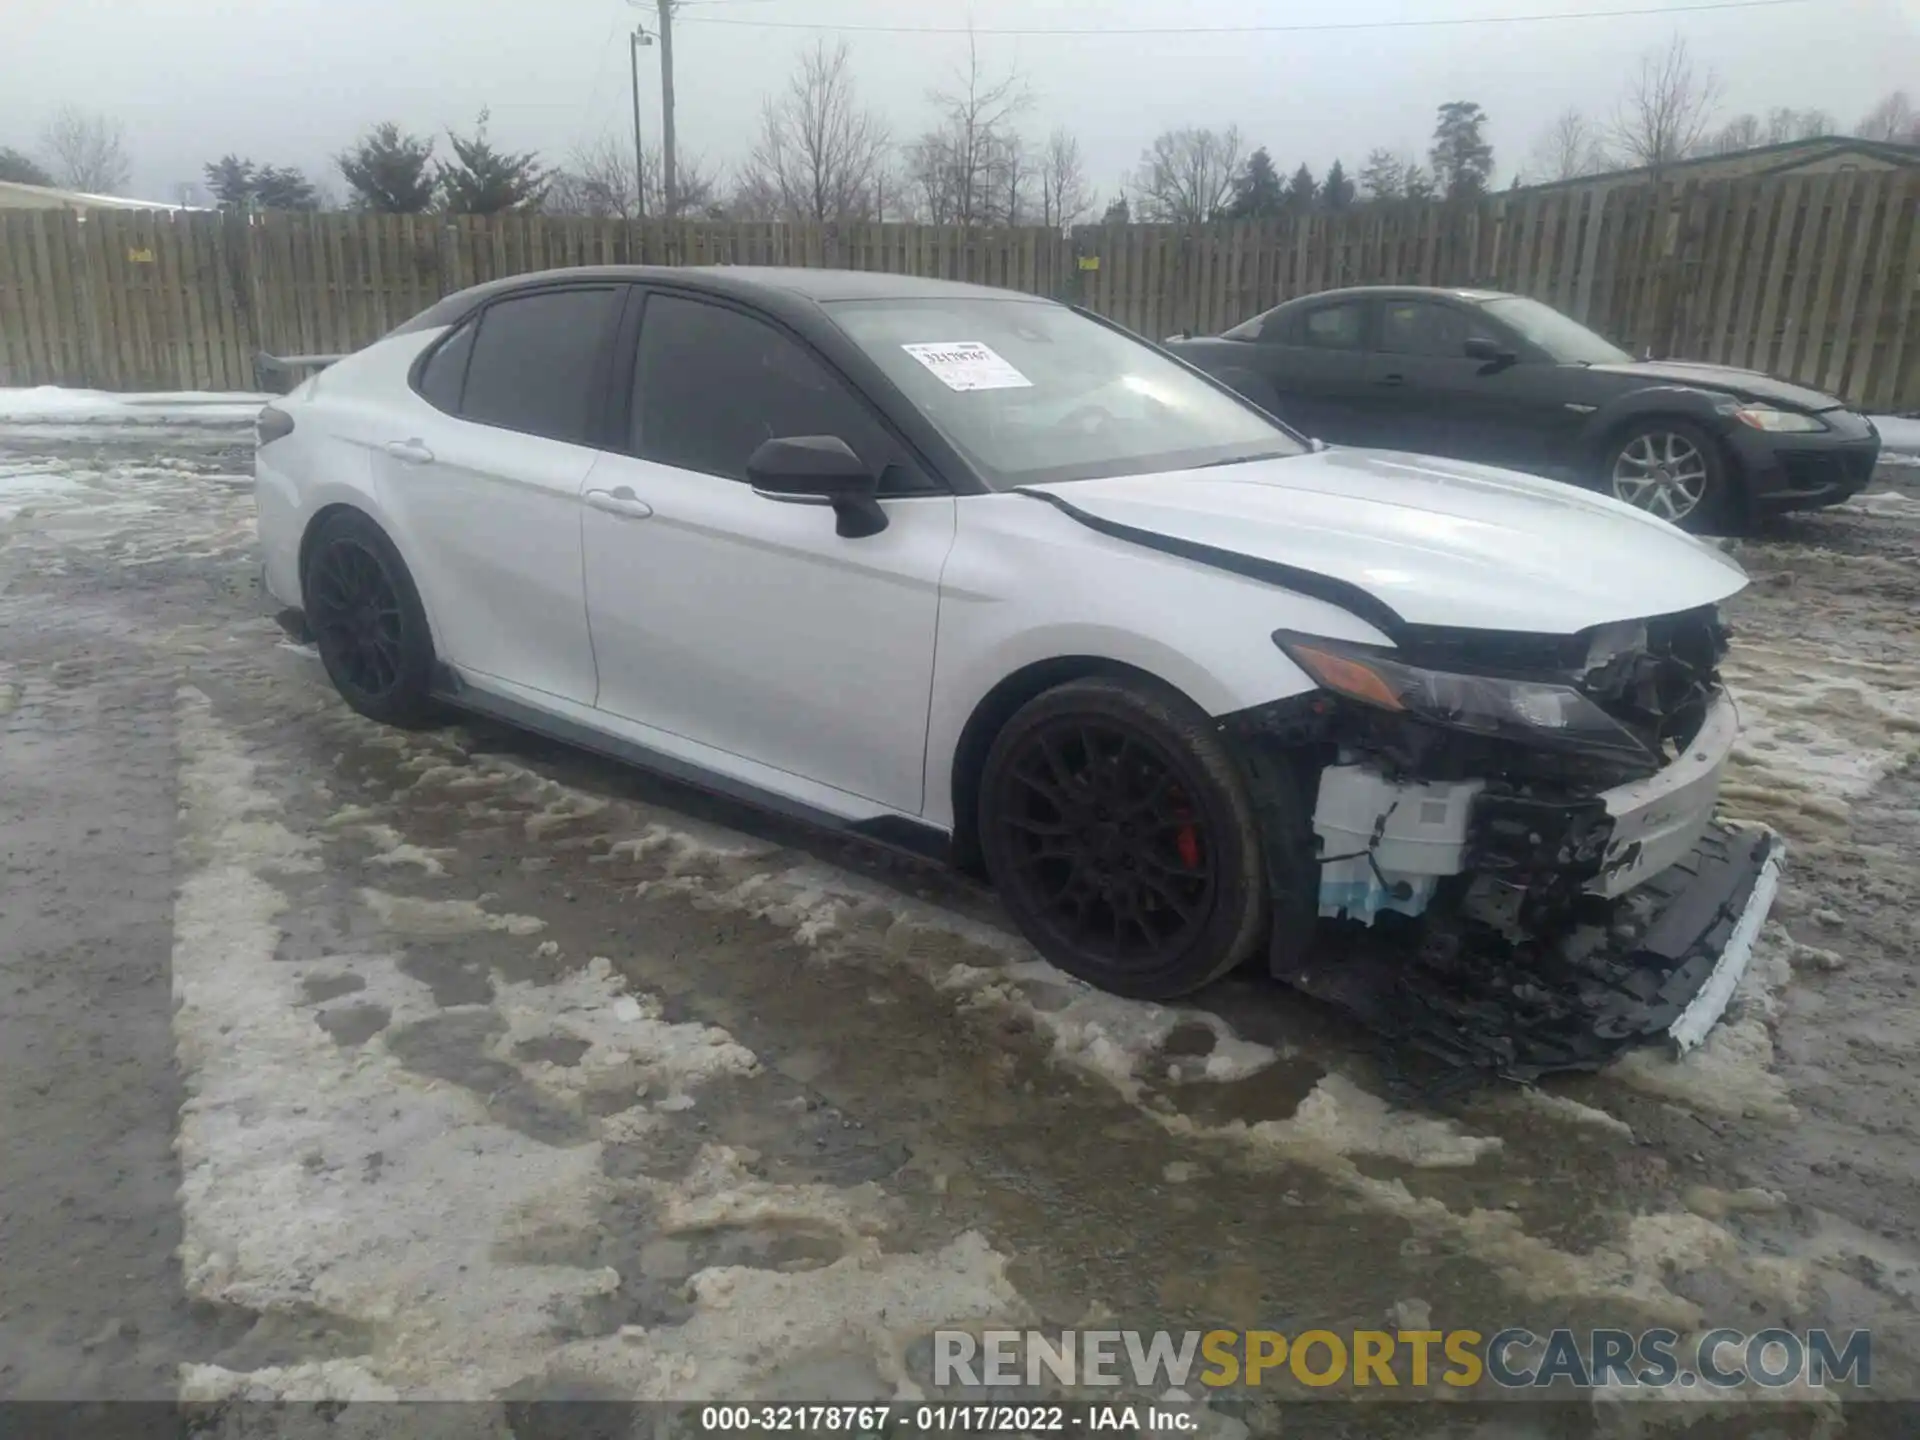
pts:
pixel 340 1063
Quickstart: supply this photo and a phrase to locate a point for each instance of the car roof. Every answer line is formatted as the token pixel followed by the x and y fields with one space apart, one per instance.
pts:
pixel 1405 292
pixel 762 283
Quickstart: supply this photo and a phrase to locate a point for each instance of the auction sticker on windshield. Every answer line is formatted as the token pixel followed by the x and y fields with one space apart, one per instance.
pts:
pixel 968 365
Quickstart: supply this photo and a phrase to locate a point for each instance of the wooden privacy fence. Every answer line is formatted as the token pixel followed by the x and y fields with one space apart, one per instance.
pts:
pixel 1816 278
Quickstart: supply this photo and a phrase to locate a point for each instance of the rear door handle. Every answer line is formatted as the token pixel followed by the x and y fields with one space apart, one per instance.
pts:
pixel 1391 380
pixel 622 502
pixel 410 452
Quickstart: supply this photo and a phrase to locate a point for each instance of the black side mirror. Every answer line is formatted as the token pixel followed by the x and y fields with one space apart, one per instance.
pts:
pixel 1479 347
pixel 820 470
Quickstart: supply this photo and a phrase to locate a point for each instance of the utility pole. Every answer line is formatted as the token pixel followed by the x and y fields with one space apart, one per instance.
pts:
pixel 666 105
pixel 634 42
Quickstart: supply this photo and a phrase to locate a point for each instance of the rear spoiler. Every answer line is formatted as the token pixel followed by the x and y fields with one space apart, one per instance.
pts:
pixel 277 374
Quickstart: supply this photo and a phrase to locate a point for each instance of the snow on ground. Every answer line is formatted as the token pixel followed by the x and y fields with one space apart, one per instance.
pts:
pixel 1899 439
pixel 134 511
pixel 453 1254
pixel 271 1223
pixel 53 405
pixel 851 919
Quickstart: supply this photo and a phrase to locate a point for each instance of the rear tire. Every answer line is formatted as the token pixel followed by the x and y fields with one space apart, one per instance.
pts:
pixel 1119 832
pixel 368 622
pixel 1672 469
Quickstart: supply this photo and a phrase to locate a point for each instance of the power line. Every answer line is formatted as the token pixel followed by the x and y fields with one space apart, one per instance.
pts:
pixel 1426 24
pixel 600 68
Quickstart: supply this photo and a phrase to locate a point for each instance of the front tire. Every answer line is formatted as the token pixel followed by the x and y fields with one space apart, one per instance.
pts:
pixel 1120 835
pixel 1672 469
pixel 368 622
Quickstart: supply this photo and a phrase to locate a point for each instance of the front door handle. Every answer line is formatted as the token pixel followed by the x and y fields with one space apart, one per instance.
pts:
pixel 410 452
pixel 622 502
pixel 1391 380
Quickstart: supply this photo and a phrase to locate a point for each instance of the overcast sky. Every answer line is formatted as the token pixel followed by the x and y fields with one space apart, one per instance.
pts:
pixel 290 81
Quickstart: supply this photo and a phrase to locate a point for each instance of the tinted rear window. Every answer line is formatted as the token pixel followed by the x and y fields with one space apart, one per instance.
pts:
pixel 535 362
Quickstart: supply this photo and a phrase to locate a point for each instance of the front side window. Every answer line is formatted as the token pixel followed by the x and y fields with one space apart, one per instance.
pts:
pixel 1335 327
pixel 1030 391
pixel 712 384
pixel 535 362
pixel 1420 327
pixel 1564 339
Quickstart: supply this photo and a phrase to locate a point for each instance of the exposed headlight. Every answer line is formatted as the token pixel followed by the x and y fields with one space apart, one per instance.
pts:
pixel 1780 422
pixel 1530 712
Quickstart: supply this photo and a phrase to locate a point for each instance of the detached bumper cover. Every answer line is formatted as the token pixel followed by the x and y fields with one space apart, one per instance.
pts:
pixel 1608 843
pixel 1657 820
pixel 1661 969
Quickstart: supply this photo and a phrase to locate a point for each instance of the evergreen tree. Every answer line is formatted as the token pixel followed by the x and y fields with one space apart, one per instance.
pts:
pixel 1301 190
pixel 1418 184
pixel 1336 191
pixel 1461 157
pixel 1257 191
pixel 486 181
pixel 21 169
pixel 389 172
pixel 278 189
pixel 231 180
pixel 1118 212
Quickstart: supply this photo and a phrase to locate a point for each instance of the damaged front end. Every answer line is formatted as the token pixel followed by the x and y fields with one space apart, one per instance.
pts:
pixel 1518 865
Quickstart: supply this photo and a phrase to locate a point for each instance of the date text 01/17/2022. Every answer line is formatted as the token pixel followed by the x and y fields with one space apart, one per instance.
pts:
pixel 946 1419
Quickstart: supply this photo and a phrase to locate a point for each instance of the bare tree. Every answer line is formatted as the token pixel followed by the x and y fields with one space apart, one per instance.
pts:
pixel 88 151
pixel 1738 134
pixel 819 153
pixel 1785 124
pixel 1892 119
pixel 958 168
pixel 598 180
pixel 1571 147
pixel 1064 194
pixel 1667 108
pixel 1186 175
pixel 1013 177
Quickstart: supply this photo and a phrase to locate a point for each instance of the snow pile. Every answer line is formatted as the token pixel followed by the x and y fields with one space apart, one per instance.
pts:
pixel 1732 1072
pixel 52 405
pixel 135 513
pixel 1818 731
pixel 1887 502
pixel 1899 439
pixel 1340 1117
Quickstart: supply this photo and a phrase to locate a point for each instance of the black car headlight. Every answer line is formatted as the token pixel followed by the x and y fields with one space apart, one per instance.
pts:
pixel 1528 712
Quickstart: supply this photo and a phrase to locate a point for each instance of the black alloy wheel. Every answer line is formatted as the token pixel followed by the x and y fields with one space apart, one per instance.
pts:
pixel 367 621
pixel 1119 834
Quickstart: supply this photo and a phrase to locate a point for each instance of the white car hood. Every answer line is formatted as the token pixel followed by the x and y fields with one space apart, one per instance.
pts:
pixel 1439 542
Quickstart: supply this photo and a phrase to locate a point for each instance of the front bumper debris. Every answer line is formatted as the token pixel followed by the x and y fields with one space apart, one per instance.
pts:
pixel 1660 966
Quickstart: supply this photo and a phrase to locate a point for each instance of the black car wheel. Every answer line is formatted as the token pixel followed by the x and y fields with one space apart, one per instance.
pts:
pixel 1120 836
pixel 1671 469
pixel 368 622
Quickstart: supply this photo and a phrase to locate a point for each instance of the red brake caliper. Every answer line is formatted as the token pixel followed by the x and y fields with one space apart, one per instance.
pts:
pixel 1187 838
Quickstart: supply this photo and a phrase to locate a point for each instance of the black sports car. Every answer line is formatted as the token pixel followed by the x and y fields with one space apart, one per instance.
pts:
pixel 1479 375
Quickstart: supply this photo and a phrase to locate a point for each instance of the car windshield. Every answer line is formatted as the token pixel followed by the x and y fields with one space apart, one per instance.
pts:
pixel 1031 392
pixel 1566 341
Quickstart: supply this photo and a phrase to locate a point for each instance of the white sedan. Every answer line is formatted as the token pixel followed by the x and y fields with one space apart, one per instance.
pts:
pixel 986 577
